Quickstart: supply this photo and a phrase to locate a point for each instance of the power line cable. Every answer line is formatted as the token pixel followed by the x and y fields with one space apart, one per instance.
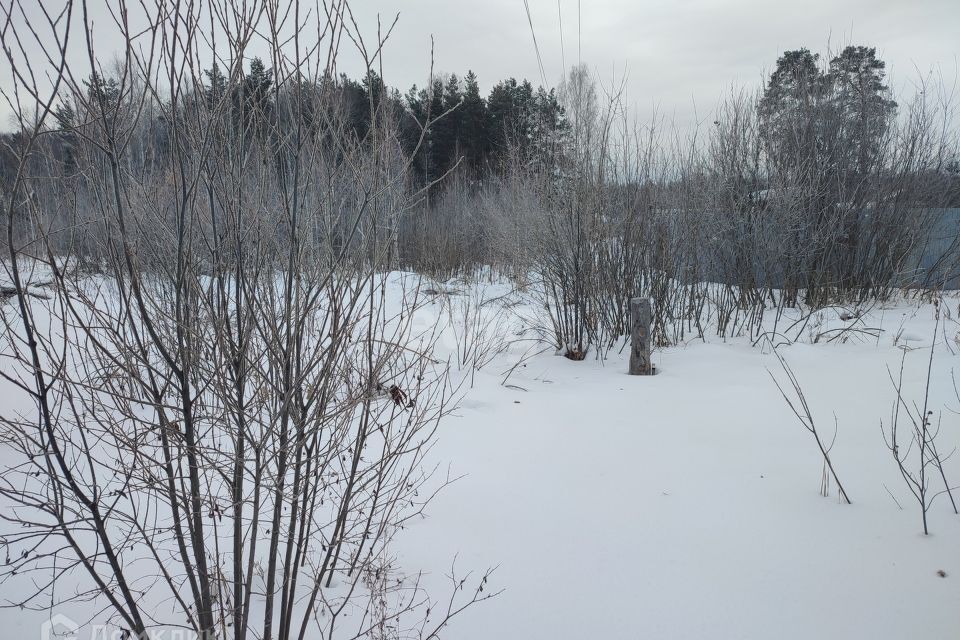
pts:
pixel 563 57
pixel 536 46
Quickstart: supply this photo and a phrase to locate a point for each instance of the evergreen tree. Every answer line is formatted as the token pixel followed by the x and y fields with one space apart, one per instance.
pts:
pixel 65 116
pixel 353 97
pixel 103 96
pixel 437 141
pixel 412 122
pixel 66 119
pixel 860 100
pixel 415 103
pixel 500 113
pixel 413 117
pixel 796 81
pixel 547 126
pixel 473 124
pixel 216 85
pixel 375 93
pixel 509 107
pixel 450 127
pixel 255 104
pixel 791 107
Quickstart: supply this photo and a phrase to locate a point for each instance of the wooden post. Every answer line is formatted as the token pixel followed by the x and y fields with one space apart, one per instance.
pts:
pixel 641 315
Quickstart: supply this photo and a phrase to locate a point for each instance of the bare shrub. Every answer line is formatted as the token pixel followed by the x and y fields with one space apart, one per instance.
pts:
pixel 917 457
pixel 798 404
pixel 227 417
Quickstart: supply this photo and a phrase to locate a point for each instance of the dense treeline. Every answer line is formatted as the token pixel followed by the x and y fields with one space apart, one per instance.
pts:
pixel 480 136
pixel 469 132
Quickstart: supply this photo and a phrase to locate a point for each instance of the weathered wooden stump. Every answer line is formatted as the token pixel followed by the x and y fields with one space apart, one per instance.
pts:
pixel 641 315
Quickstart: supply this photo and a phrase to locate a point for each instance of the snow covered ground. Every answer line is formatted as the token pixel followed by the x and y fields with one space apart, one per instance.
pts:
pixel 685 505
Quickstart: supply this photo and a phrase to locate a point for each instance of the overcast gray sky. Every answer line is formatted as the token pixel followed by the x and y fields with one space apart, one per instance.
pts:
pixel 677 55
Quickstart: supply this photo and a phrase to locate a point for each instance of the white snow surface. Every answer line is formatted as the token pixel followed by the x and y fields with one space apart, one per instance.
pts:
pixel 686 505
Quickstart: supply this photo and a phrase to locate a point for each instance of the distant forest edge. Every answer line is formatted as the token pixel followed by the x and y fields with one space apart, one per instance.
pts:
pixel 479 135
pixel 823 149
pixel 468 131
